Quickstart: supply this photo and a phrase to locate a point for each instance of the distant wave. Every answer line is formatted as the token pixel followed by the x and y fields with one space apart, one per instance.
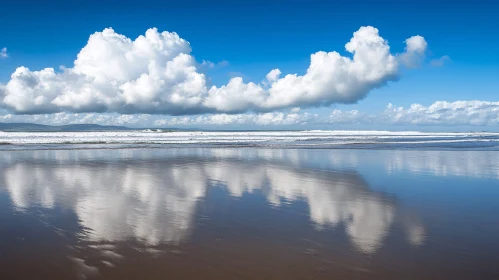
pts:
pixel 279 139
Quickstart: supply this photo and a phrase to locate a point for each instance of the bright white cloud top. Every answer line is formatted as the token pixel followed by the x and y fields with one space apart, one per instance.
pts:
pixel 156 74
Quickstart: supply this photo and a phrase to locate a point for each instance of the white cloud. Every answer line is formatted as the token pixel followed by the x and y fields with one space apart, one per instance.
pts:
pixel 446 113
pixel 440 113
pixel 208 64
pixel 273 75
pixel 473 112
pixel 264 119
pixel 211 65
pixel 438 62
pixel 156 74
pixel 63 118
pixel 416 44
pixel 3 53
pixel 414 51
pixel 346 117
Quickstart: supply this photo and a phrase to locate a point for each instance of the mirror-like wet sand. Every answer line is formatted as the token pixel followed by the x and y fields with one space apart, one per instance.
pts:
pixel 249 214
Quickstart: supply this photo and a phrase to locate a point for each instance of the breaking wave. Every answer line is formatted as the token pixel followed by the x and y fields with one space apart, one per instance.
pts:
pixel 269 139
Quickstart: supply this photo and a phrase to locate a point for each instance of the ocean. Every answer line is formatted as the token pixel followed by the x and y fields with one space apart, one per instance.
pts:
pixel 266 139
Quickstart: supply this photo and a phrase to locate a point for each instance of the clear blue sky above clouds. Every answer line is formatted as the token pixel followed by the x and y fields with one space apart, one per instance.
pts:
pixel 250 38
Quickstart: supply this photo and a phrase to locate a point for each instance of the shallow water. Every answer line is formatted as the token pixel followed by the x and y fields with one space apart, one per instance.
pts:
pixel 249 213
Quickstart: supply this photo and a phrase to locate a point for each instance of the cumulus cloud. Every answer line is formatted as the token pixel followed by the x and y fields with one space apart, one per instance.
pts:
pixel 156 74
pixel 414 51
pixel 62 118
pixel 446 113
pixel 264 119
pixel 273 75
pixel 3 53
pixel 472 113
pixel 349 117
pixel 439 62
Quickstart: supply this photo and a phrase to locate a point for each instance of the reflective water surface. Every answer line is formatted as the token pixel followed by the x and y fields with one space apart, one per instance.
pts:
pixel 249 213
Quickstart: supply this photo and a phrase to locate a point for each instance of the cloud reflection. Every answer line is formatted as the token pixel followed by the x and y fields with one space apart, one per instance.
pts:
pixel 122 196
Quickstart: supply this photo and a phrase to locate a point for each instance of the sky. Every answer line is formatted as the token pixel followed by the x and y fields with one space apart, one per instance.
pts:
pixel 394 65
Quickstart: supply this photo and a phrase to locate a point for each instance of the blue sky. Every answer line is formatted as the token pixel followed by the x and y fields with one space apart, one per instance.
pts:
pixel 250 38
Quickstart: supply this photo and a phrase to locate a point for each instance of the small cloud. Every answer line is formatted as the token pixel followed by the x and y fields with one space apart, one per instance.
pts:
pixel 273 75
pixel 160 122
pixel 238 74
pixel 415 51
pixel 223 63
pixel 3 53
pixel 439 62
pixel 211 65
pixel 207 64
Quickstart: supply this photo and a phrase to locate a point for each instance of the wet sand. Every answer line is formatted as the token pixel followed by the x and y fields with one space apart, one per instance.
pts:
pixel 249 214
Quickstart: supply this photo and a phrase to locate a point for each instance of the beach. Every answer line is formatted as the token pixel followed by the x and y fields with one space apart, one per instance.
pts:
pixel 248 211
